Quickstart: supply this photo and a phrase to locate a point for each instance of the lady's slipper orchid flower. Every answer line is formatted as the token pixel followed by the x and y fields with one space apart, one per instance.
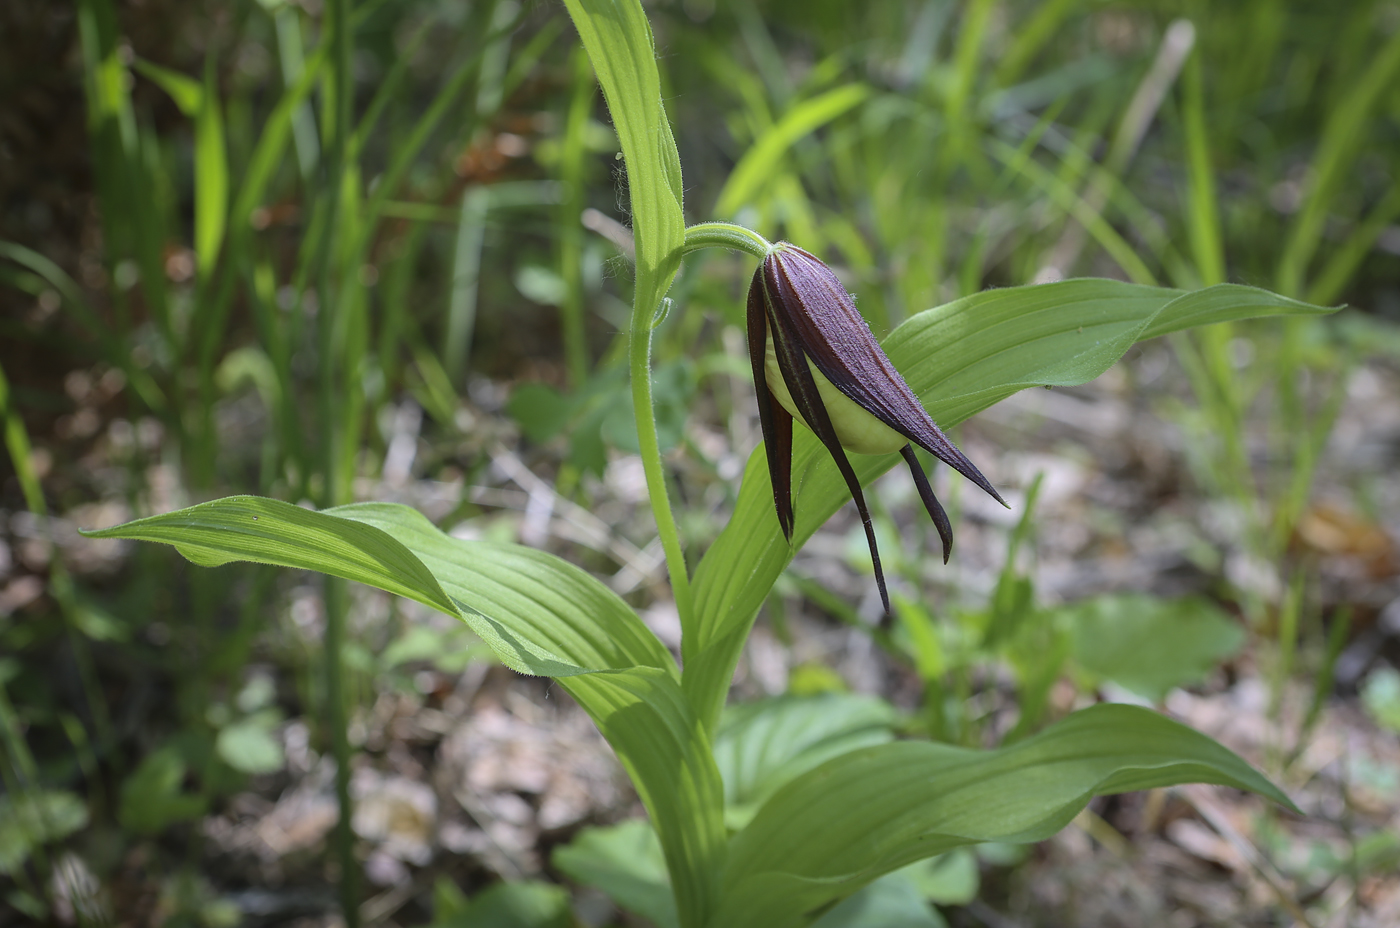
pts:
pixel 814 358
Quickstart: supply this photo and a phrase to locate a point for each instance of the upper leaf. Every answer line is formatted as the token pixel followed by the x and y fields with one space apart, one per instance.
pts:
pixel 959 359
pixel 871 811
pixel 619 44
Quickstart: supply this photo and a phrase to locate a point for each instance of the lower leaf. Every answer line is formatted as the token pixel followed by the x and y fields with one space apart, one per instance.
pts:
pixel 538 613
pixel 644 716
pixel 834 829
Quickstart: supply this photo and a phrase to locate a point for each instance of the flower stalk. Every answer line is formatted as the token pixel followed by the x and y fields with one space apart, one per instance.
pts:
pixel 647 296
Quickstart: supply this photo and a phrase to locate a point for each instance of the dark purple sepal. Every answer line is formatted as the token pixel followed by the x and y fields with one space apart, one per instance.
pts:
pixel 792 362
pixel 811 303
pixel 775 421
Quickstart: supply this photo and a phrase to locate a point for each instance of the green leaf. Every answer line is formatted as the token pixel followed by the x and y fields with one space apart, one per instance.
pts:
pixel 624 861
pixel 673 387
pixel 948 879
pixel 250 364
pixel 892 901
pixel 959 359
pixel 33 818
pixel 872 811
pixel 763 744
pixel 523 904
pixel 267 531
pixel 587 450
pixel 448 900
pixel 272 142
pixel 187 92
pixel 247 745
pixel 152 797
pixel 619 44
pixel 666 751
pixel 1380 694
pixel 1150 645
pixel 450 650
pixel 516 596
pixel 1337 150
pixel 1377 853
pixel 538 613
pixel 541 410
pixel 541 285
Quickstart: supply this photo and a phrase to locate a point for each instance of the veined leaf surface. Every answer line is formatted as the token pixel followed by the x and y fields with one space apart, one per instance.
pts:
pixel 871 811
pixel 645 717
pixel 619 43
pixel 762 744
pixel 538 613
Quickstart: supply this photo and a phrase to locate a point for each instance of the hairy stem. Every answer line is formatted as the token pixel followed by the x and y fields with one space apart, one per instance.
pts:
pixel 651 286
pixel 649 290
pixel 726 235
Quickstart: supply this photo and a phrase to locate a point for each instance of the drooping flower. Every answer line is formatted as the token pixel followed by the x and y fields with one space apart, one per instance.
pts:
pixel 814 358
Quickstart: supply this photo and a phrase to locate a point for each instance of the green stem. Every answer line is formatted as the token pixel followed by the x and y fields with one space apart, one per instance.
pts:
pixel 647 297
pixel 650 288
pixel 726 235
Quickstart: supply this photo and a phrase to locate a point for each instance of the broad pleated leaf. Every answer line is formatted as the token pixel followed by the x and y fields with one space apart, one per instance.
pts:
pixel 624 861
pixel 763 744
pixel 538 613
pixel 890 902
pixel 871 811
pixel 645 717
pixel 959 359
pixel 523 593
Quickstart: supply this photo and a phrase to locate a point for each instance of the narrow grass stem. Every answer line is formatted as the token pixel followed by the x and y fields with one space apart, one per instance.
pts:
pixel 338 90
pixel 337 721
